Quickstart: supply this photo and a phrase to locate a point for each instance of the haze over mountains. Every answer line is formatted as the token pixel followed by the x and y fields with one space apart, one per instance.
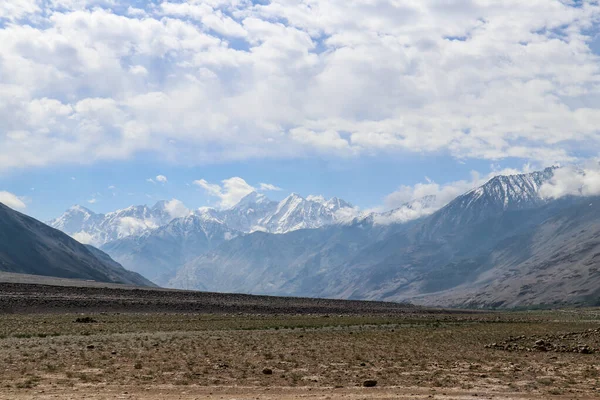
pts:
pixel 27 246
pixel 505 243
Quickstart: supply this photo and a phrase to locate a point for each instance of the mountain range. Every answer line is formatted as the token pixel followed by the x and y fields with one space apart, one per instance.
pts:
pixel 502 244
pixel 153 242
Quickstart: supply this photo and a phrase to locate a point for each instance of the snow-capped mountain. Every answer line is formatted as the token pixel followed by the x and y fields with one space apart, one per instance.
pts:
pixel 247 214
pixel 295 212
pixel 162 244
pixel 498 195
pixel 501 244
pixel 97 229
pixel 255 212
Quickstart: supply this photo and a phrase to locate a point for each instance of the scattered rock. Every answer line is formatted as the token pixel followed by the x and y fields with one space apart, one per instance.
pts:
pixel 370 383
pixel 267 371
pixel 85 320
pixel 565 343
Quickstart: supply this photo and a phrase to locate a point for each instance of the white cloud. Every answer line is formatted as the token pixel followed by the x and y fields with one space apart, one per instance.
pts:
pixel 85 238
pixel 205 82
pixel 229 193
pixel 444 193
pixel 176 208
pixel 131 226
pixel 17 9
pixel 161 179
pixel 347 214
pixel 112 187
pixel 326 141
pixel 267 187
pixel 138 70
pixel 136 12
pixel 317 198
pixel 573 181
pixel 11 200
pixel 92 201
pixel 150 180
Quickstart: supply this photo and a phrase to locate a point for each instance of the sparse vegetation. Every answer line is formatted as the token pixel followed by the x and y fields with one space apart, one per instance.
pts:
pixel 435 351
pixel 299 347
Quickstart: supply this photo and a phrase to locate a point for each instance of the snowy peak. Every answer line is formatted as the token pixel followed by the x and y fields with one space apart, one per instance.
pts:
pixel 508 192
pixel 251 199
pixel 193 224
pixel 256 212
pixel 75 219
pixel 295 212
pixel 500 194
pixel 335 204
pixel 80 209
pixel 97 229
pixel 316 199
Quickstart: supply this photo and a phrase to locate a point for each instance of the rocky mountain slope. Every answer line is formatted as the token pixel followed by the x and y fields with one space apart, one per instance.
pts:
pixel 28 246
pixel 158 253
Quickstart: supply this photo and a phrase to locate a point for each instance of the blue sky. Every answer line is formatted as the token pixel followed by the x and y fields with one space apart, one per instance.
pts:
pixel 374 102
pixel 107 186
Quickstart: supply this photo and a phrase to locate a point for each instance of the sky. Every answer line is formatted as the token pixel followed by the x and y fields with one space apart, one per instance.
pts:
pixel 109 103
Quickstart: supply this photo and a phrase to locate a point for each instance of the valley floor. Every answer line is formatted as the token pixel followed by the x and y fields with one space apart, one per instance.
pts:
pixel 296 355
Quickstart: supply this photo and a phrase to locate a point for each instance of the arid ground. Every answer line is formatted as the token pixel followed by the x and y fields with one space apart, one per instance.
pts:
pixel 111 343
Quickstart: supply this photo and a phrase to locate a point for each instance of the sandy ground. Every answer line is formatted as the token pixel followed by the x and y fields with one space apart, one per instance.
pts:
pixel 275 393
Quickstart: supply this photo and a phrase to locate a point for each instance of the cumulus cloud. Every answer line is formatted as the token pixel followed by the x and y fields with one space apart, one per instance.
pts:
pixel 573 181
pixel 85 238
pixel 11 200
pixel 232 190
pixel 200 82
pixel 161 179
pixel 176 208
pixel 17 9
pixel 229 193
pixel 443 193
pixel 131 226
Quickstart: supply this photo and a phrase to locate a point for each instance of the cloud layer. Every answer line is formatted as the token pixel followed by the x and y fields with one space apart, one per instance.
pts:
pixel 219 80
pixel 573 181
pixel 11 200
